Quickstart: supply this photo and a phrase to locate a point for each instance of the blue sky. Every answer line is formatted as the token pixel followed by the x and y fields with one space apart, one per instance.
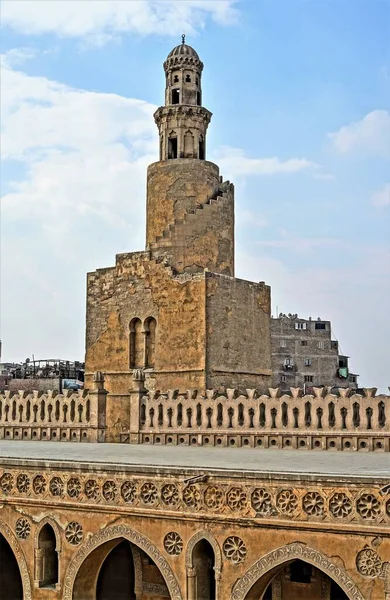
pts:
pixel 299 91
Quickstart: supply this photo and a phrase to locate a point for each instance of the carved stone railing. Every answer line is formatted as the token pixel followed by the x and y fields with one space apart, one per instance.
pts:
pixel 71 416
pixel 343 422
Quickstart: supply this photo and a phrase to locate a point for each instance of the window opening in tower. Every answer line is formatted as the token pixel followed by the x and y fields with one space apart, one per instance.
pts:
pixel 172 147
pixel 175 96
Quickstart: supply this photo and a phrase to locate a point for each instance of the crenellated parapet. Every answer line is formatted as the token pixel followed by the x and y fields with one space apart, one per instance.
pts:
pixel 321 421
pixel 70 416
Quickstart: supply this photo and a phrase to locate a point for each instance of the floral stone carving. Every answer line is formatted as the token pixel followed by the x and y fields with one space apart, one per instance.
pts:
pixel 173 543
pixel 91 489
pixel 234 549
pixel 287 502
pixel 74 533
pixel 129 492
pixel 313 504
pixel 213 497
pixel 23 483
pixel 368 563
pixel 56 486
pixel 191 496
pixel 340 505
pixel 6 483
pixel 261 501
pixel 73 487
pixel 236 498
pixel 148 493
pixel 170 494
pixel 368 506
pixel 22 528
pixel 39 484
pixel 110 490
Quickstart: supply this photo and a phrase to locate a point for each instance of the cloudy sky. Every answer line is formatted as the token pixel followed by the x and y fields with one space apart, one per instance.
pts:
pixel 299 91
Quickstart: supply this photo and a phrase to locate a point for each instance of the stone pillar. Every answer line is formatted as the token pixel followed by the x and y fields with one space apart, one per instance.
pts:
pixel 191 583
pixel 135 401
pixel 39 560
pixel 98 397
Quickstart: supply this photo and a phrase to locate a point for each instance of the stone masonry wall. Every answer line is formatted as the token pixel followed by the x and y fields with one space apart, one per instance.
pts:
pixel 203 239
pixel 173 188
pixel 238 333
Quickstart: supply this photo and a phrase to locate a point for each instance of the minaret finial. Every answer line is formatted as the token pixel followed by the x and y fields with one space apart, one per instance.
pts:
pixel 183 38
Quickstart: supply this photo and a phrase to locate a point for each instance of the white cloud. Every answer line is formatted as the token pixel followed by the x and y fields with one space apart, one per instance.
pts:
pixel 370 135
pixel 301 244
pixel 101 20
pixel 234 163
pixel 381 197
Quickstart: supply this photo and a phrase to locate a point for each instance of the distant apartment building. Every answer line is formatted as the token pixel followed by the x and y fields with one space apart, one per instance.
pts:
pixel 304 355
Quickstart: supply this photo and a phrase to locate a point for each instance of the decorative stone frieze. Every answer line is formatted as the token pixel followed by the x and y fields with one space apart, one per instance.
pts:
pixel 243 499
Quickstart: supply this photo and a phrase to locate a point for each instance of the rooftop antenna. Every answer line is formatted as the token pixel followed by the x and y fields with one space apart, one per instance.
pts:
pixel 183 38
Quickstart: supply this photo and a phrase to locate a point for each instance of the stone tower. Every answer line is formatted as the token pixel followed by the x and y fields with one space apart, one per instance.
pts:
pixel 175 310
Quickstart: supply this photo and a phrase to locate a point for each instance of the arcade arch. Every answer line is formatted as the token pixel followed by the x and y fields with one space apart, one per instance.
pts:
pixel 13 565
pixel 254 584
pixel 90 571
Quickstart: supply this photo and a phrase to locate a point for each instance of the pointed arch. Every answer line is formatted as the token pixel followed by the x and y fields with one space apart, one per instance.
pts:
pixel 285 554
pixel 112 534
pixel 6 531
pixel 205 535
pixel 54 525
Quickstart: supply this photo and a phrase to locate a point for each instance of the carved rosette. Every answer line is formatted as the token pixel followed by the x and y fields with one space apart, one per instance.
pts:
pixel 191 496
pixel 22 528
pixel 73 487
pixel 170 494
pixel 261 501
pixel 74 533
pixel 6 483
pixel 173 543
pixel 23 483
pixel 368 506
pixel 39 484
pixel 340 505
pixel 368 563
pixel 109 490
pixel 237 498
pixel 56 486
pixel 129 492
pixel 91 489
pixel 234 549
pixel 287 502
pixel 213 497
pixel 148 493
pixel 313 504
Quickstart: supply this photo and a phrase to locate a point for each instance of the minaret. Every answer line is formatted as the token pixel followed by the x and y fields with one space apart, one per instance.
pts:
pixel 183 121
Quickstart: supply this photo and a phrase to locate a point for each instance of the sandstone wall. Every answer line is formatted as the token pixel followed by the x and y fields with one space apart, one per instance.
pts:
pixel 173 188
pixel 238 333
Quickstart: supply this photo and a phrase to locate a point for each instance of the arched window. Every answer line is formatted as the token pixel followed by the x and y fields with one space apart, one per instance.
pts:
pixel 175 96
pixel 203 560
pixel 198 98
pixel 188 78
pixel 150 341
pixel 172 147
pixel 136 349
pixel 46 558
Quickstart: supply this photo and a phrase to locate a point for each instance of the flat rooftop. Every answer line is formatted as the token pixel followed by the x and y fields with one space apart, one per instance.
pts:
pixel 265 463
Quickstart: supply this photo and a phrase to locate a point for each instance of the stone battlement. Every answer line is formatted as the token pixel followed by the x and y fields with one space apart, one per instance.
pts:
pixel 320 421
pixel 70 416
